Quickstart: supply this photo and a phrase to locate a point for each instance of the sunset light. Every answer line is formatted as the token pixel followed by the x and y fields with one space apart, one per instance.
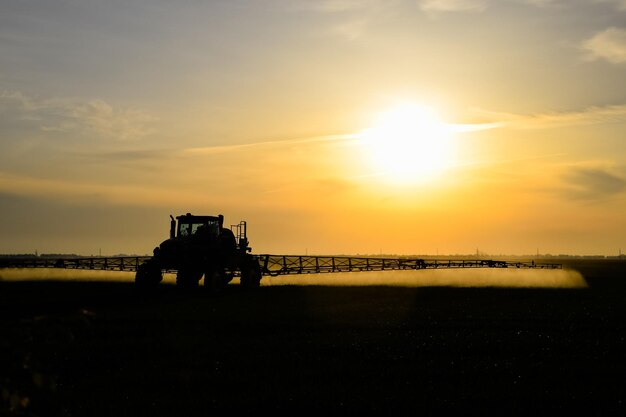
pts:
pixel 408 144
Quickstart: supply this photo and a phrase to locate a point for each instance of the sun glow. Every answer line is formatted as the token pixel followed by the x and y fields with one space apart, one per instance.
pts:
pixel 408 144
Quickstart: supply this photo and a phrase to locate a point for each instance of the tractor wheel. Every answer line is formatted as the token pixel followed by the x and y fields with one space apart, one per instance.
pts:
pixel 251 275
pixel 148 275
pixel 215 279
pixel 187 278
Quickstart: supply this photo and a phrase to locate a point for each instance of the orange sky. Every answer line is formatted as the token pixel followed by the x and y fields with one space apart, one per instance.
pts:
pixel 114 116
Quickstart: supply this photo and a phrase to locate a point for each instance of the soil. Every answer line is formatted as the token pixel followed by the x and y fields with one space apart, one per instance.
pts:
pixel 72 348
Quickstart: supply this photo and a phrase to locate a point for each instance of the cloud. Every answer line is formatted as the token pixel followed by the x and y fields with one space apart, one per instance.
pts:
pixel 352 29
pixel 357 15
pixel 546 3
pixel 452 5
pixel 287 142
pixel 591 115
pixel 9 99
pixel 592 183
pixel 609 44
pixel 83 118
pixel 620 4
pixel 341 6
pixel 102 119
pixel 333 6
pixel 84 191
pixel 351 18
pixel 443 6
pixel 133 156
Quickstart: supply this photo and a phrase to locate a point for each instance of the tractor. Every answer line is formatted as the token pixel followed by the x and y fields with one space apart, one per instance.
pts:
pixel 200 246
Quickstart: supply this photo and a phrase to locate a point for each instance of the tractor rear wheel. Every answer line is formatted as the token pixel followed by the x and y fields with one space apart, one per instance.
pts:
pixel 251 275
pixel 212 279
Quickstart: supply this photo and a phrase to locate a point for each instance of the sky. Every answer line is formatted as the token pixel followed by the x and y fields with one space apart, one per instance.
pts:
pixel 331 126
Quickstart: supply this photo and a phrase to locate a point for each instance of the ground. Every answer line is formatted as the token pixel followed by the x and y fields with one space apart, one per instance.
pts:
pixel 101 349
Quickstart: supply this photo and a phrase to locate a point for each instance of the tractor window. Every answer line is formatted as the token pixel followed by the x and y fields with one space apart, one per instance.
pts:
pixel 214 228
pixel 195 226
pixel 184 229
pixel 206 229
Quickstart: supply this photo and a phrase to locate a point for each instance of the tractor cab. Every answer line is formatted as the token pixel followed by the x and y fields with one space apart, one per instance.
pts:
pixel 209 229
pixel 199 226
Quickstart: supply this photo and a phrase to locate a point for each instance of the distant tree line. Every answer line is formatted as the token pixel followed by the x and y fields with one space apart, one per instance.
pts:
pixel 35 256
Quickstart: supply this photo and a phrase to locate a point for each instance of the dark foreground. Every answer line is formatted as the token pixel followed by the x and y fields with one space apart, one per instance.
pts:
pixel 82 349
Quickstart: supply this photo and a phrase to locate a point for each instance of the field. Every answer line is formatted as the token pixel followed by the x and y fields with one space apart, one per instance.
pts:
pixel 83 348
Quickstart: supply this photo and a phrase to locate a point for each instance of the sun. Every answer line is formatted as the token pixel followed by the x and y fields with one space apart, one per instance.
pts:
pixel 408 144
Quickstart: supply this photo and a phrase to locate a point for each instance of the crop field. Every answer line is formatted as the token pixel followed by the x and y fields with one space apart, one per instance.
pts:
pixel 95 347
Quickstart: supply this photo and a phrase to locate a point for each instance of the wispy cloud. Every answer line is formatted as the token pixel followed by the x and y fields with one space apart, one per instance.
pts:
pixel 333 6
pixel 87 191
pixel 87 118
pixel 609 45
pixel 544 3
pixel 434 7
pixel 591 115
pixel 473 127
pixel 287 142
pixel 620 4
pixel 592 183
pixel 340 138
pixel 341 6
pixel 349 19
pixel 101 118
pixel 352 29
pixel 437 6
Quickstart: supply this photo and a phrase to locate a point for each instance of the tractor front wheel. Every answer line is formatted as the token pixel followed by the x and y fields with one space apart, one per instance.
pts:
pixel 148 275
pixel 216 278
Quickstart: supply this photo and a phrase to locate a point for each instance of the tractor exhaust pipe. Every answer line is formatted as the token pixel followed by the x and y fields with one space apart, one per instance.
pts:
pixel 172 227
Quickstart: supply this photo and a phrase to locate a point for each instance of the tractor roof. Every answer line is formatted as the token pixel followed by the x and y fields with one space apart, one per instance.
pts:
pixel 196 219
